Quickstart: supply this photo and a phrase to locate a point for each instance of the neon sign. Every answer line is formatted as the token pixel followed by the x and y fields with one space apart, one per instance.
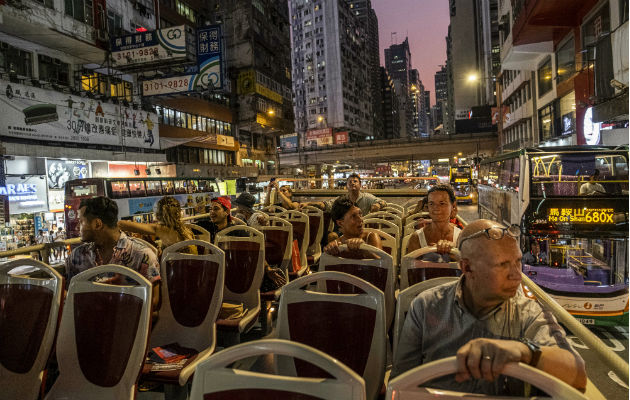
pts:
pixel 581 215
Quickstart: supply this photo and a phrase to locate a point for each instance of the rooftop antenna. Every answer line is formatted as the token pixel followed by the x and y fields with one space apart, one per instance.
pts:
pixel 393 36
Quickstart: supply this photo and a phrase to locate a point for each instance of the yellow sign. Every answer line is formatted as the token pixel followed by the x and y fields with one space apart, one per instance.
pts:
pixel 268 93
pixel 260 119
pixel 581 215
pixel 461 180
pixel 246 80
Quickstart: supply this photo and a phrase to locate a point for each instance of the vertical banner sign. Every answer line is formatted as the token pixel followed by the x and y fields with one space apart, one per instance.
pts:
pixel 209 57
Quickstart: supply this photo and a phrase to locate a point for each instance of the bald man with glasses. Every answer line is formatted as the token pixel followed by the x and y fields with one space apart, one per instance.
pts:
pixel 486 321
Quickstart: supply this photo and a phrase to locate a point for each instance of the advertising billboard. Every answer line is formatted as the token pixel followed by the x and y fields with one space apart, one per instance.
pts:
pixel 38 114
pixel 26 195
pixel 58 172
pixel 209 67
pixel 341 137
pixel 319 137
pixel 289 143
pixel 145 47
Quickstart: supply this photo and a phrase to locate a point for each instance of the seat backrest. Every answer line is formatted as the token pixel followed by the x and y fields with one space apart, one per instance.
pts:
pixel 383 225
pixel 396 206
pixel 244 264
pixel 214 380
pixel 192 290
pixel 348 327
pixel 273 210
pixel 414 270
pixel 388 243
pixel 379 272
pixel 404 299
pixel 386 215
pixel 29 311
pixel 301 231
pixel 278 243
pixel 416 216
pixel 94 313
pixel 403 246
pixel 395 211
pixel 199 232
pixel 315 228
pixel 238 221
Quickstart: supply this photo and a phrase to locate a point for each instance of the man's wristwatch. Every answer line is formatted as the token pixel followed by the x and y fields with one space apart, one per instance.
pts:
pixel 534 348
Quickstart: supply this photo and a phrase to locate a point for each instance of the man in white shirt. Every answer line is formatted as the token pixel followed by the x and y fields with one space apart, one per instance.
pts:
pixel 592 188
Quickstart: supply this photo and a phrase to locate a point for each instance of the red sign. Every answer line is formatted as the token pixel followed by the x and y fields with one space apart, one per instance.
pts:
pixel 341 137
pixel 319 137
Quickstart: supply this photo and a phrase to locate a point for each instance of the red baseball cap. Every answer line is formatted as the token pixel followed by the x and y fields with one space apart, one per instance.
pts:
pixel 224 201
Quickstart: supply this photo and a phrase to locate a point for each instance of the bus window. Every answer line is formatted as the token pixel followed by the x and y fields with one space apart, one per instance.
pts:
pixel 119 189
pixel 192 186
pixel 167 187
pixel 83 190
pixel 180 187
pixel 136 189
pixel 153 188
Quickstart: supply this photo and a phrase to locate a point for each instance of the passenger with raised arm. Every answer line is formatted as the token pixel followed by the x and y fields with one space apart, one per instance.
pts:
pixel 285 196
pixel 441 232
pixel 169 229
pixel 347 215
pixel 366 202
pixel 104 243
pixel 485 320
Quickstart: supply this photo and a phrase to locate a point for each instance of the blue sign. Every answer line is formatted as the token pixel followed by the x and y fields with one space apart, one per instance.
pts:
pixel 158 45
pixel 289 143
pixel 142 205
pixel 209 55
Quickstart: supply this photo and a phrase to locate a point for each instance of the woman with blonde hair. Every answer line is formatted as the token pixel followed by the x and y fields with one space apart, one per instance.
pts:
pixel 169 229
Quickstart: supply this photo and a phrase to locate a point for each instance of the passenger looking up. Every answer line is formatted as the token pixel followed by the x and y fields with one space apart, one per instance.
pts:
pixel 440 232
pixel 349 218
pixel 591 187
pixel 534 256
pixel 284 198
pixel 244 211
pixel 104 243
pixel 367 202
pixel 169 229
pixel 485 320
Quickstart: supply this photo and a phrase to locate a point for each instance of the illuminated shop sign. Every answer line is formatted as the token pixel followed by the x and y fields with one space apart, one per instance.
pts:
pixel 25 195
pixel 581 215
pixel 461 180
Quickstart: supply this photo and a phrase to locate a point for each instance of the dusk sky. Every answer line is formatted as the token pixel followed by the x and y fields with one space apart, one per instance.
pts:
pixel 426 24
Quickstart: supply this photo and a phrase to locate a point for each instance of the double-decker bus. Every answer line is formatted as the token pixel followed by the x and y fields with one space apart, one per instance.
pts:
pixel 582 234
pixel 136 197
pixel 441 170
pixel 461 179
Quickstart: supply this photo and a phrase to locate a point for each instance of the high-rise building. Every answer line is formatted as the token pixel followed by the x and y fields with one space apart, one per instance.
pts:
pixel 426 110
pixel 364 11
pixel 415 96
pixel 330 70
pixel 389 106
pixel 473 51
pixel 441 85
pixel 398 64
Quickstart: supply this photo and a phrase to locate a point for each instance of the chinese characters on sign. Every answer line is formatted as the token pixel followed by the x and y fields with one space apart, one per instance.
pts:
pixel 581 215
pixel 142 47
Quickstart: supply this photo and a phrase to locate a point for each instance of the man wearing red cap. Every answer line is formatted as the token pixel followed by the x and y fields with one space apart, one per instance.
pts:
pixel 219 216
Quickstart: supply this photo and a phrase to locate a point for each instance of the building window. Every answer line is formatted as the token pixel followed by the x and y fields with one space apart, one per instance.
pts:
pixel 122 90
pixel 567 114
pixel 47 3
pixel 114 24
pixel 546 117
pixel 81 10
pixel 53 70
pixel 594 28
pixel 565 61
pixel 545 83
pixel 184 10
pixel 623 11
pixel 15 61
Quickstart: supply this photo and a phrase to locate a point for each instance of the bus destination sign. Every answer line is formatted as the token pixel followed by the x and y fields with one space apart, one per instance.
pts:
pixel 581 215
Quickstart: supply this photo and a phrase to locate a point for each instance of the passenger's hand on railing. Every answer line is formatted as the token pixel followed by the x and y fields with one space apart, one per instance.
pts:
pixel 354 243
pixel 262 220
pixel 375 207
pixel 332 248
pixel 486 358
pixel 444 246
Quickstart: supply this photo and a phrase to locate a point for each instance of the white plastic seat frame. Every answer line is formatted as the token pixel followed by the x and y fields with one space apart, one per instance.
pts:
pixel 396 206
pixel 385 261
pixel 405 386
pixel 395 211
pixel 387 240
pixel 315 250
pixel 71 383
pixel 410 260
pixel 202 337
pixel 297 216
pixel 273 210
pixel 386 215
pixel 404 299
pixel 199 232
pixel 372 298
pixel 386 226
pixel 16 385
pixel 251 298
pixel 404 243
pixel 213 375
pixel 238 221
pixel 280 224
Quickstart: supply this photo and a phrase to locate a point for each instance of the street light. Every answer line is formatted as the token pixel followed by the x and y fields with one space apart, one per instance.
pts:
pixel 271 112
pixel 320 119
pixel 473 77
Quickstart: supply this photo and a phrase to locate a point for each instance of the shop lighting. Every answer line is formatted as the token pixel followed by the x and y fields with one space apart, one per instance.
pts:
pixel 147 171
